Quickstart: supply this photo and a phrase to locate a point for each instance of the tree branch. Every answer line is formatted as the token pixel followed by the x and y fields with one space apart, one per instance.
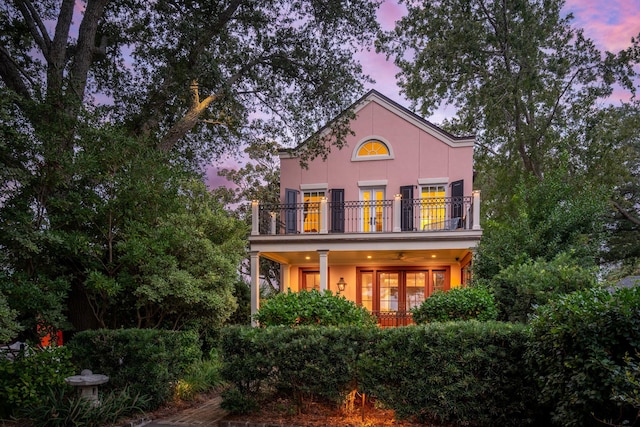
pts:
pixel 12 75
pixel 36 26
pixel 626 213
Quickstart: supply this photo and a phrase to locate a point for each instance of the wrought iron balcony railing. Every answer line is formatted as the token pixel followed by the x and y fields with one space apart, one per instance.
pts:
pixel 380 216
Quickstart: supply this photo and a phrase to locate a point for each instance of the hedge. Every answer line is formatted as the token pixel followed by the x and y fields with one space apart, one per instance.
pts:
pixel 470 373
pixel 148 361
pixel 466 372
pixel 585 352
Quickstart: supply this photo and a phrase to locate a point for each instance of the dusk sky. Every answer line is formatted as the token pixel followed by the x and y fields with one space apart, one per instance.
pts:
pixel 609 23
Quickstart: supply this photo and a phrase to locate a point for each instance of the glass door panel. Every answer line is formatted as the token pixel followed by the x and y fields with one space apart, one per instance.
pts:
pixel 439 280
pixel 415 283
pixel 311 211
pixel 432 207
pixel 389 291
pixel 373 210
pixel 366 296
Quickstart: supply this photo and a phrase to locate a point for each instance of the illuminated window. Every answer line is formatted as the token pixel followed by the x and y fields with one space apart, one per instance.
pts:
pixel 311 210
pixel 372 149
pixel 432 207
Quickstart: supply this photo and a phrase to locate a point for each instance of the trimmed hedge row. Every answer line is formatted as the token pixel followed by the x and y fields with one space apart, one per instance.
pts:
pixel 585 351
pixel 455 372
pixel 148 361
pixel 463 372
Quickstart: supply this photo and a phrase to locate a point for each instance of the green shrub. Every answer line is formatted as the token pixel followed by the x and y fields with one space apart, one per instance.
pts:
pixel 61 406
pixel 312 308
pixel 146 360
pixel 582 343
pixel 465 373
pixel 306 363
pixel 457 304
pixel 24 381
pixel 520 287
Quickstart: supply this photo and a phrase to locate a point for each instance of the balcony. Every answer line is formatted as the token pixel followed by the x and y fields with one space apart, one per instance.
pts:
pixel 435 214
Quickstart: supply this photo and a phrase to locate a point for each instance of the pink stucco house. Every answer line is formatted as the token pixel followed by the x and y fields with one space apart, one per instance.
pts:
pixel 392 215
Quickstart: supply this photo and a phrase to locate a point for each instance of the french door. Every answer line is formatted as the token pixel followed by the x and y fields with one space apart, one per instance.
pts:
pixel 372 209
pixel 391 293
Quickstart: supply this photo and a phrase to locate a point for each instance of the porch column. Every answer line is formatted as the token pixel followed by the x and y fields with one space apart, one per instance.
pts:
pixel 255 285
pixel 324 270
pixel 255 218
pixel 476 210
pixel 324 218
pixel 397 213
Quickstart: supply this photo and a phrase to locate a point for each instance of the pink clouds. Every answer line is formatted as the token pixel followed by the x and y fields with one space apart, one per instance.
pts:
pixel 610 23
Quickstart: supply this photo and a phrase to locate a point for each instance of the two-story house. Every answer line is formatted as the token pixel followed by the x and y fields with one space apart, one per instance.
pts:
pixel 389 218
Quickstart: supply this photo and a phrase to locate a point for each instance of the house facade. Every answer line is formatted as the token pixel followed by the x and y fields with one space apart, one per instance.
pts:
pixel 390 218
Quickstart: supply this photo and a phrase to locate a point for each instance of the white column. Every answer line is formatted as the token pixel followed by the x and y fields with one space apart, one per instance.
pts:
pixel 324 217
pixel 397 213
pixel 255 218
pixel 324 270
pixel 273 230
pixel 255 285
pixel 476 210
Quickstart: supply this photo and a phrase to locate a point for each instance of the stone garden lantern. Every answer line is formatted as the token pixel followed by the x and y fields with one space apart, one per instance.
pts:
pixel 88 382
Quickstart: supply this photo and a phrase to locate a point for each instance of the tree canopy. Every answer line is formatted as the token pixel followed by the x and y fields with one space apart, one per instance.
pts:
pixel 108 111
pixel 533 88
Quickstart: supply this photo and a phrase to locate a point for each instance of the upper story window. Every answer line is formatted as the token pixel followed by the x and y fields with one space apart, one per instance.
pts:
pixel 372 148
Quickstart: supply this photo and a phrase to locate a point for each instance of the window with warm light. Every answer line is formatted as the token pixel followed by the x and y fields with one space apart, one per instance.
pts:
pixel 432 207
pixel 311 210
pixel 372 149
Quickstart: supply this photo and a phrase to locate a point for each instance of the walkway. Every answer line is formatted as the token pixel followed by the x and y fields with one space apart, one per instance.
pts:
pixel 207 414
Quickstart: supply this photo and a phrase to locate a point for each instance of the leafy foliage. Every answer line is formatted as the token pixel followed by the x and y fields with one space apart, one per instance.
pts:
pixel 519 288
pixel 312 308
pixel 58 408
pixel 444 369
pixel 437 372
pixel 307 363
pixel 25 381
pixel 543 219
pixel 581 344
pixel 146 360
pixel 457 304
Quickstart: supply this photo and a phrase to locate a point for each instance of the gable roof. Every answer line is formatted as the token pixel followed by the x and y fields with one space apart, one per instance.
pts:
pixel 405 113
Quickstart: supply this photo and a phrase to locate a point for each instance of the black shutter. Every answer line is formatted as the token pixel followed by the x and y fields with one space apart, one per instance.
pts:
pixel 337 210
pixel 406 208
pixel 457 198
pixel 290 210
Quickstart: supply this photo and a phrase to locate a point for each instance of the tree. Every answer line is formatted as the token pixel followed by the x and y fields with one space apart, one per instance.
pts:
pixel 521 77
pixel 102 117
pixel 258 179
pixel 541 221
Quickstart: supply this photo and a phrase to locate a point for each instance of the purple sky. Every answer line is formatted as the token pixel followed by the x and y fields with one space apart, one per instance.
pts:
pixel 609 23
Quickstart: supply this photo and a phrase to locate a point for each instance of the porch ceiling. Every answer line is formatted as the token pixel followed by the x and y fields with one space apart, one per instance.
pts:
pixel 369 257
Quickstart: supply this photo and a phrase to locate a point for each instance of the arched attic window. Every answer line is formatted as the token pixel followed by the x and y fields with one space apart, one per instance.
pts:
pixel 372 149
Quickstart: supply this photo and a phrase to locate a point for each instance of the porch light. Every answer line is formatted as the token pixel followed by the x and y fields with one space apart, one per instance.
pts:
pixel 341 285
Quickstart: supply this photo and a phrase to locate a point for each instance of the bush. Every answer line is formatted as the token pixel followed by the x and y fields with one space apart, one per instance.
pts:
pixel 146 360
pixel 312 308
pixel 465 373
pixel 24 381
pixel 519 288
pixel 439 371
pixel 583 344
pixel 307 363
pixel 457 304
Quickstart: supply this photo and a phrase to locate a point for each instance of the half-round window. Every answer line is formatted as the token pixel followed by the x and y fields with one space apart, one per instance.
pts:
pixel 372 149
